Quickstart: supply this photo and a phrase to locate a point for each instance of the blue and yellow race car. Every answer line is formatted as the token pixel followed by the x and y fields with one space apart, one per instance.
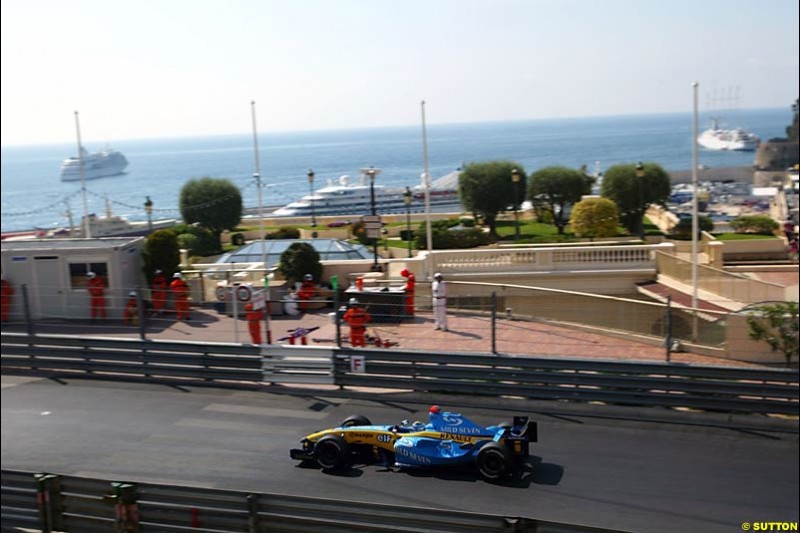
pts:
pixel 448 439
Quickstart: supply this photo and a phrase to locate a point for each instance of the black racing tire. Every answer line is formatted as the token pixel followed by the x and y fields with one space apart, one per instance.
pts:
pixel 331 452
pixel 356 420
pixel 494 461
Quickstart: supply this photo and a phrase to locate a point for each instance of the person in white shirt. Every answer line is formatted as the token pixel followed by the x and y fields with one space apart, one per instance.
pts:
pixel 439 290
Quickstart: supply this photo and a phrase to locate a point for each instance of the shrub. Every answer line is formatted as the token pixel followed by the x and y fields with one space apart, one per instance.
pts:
pixel 199 241
pixel 298 260
pixel 760 224
pixel 683 229
pixel 288 232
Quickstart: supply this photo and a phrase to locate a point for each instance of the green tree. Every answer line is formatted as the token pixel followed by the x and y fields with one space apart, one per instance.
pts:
pixel 161 252
pixel 759 224
pixel 215 204
pixel 634 190
pixel 552 189
pixel 791 130
pixel 299 259
pixel 487 188
pixel 683 229
pixel 777 325
pixel 595 217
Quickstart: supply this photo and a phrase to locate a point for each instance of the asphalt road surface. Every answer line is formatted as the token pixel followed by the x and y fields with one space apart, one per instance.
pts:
pixel 612 471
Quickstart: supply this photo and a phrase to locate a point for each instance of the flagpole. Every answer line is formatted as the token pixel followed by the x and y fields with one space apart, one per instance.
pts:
pixel 426 182
pixel 695 224
pixel 87 230
pixel 257 176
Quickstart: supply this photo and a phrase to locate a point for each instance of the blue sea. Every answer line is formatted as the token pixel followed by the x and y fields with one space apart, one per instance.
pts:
pixel 34 197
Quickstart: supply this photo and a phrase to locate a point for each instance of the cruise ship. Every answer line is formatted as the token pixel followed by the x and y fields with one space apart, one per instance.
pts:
pixel 717 138
pixel 106 162
pixel 346 199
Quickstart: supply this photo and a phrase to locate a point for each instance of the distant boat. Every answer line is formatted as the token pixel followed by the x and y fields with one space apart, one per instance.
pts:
pixel 101 164
pixel 718 138
pixel 347 199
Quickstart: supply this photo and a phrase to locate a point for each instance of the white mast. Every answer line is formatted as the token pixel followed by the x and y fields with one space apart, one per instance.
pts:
pixel 426 177
pixel 87 232
pixel 257 176
pixel 694 215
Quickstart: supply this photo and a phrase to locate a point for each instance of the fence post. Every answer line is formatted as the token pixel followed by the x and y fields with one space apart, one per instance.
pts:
pixel 494 323
pixel 27 308
pixel 142 314
pixel 126 506
pixel 668 328
pixel 252 509
pixel 48 499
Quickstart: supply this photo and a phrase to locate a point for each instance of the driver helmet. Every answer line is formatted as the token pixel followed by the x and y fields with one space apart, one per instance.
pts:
pixel 132 293
pixel 177 275
pixel 308 277
pixel 404 272
pixel 158 271
pixel 352 301
pixel 90 275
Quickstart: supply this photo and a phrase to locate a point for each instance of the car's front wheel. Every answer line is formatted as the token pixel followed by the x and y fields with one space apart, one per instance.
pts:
pixel 494 461
pixel 331 452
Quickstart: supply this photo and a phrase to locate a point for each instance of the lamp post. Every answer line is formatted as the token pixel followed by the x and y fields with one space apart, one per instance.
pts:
pixel 148 208
pixel 407 200
pixel 515 178
pixel 371 173
pixel 311 196
pixel 639 176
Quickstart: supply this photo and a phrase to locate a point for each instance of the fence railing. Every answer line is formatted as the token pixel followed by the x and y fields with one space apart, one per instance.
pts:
pixel 72 504
pixel 646 384
pixel 731 286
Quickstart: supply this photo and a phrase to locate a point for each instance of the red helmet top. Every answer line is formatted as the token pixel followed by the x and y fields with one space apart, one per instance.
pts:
pixel 434 410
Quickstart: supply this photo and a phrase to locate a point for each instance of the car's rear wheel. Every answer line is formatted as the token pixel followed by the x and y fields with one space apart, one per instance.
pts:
pixel 331 452
pixel 494 461
pixel 356 420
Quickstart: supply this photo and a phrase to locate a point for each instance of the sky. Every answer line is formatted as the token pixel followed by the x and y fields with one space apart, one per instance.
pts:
pixel 175 68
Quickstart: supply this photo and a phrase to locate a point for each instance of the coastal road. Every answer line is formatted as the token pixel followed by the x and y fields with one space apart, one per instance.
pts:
pixel 593 465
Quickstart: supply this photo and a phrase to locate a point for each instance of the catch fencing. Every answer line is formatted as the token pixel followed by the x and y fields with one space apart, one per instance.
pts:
pixel 749 390
pixel 72 504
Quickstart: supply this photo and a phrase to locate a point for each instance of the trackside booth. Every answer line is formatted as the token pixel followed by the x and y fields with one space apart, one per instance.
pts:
pixel 54 271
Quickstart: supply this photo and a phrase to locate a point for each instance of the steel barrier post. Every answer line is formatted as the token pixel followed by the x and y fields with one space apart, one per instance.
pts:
pixel 48 499
pixel 27 308
pixel 252 510
pixel 126 506
pixel 140 310
pixel 494 323
pixel 668 328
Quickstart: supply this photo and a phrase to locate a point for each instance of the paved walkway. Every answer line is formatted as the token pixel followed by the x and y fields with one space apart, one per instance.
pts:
pixel 467 333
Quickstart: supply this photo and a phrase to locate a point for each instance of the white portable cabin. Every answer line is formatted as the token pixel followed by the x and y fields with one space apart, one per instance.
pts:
pixel 54 271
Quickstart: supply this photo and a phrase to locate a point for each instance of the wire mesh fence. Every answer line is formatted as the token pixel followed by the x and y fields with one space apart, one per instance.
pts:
pixel 481 318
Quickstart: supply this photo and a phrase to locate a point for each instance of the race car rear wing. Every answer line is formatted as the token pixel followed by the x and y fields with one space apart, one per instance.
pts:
pixel 524 426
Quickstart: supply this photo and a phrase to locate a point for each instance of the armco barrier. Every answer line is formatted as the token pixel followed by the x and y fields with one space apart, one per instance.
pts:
pixel 653 384
pixel 749 390
pixel 76 505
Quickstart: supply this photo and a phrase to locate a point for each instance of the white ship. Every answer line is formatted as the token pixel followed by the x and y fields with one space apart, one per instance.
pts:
pixel 106 162
pixel 346 199
pixel 112 225
pixel 718 138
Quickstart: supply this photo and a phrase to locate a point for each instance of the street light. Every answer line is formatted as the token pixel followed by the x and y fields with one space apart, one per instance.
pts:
pixel 639 176
pixel 148 208
pixel 311 195
pixel 371 172
pixel 407 200
pixel 515 178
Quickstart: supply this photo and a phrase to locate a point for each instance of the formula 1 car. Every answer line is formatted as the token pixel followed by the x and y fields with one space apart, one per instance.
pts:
pixel 448 439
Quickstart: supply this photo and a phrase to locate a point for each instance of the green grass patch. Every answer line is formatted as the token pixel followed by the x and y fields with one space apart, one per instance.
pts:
pixel 742 236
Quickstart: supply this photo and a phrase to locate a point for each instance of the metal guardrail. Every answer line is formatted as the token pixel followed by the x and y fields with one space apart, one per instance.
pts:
pixel 750 390
pixel 75 504
pixel 651 384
